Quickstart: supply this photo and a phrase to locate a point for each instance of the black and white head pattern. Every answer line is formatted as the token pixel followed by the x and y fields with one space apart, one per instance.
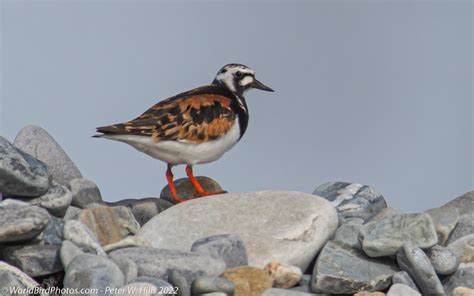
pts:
pixel 237 78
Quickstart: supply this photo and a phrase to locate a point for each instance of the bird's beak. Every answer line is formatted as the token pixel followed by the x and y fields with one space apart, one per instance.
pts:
pixel 258 85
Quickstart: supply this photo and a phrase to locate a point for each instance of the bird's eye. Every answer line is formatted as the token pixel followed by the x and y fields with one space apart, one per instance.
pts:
pixel 238 74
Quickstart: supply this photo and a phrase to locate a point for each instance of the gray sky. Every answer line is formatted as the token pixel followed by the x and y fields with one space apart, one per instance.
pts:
pixel 378 93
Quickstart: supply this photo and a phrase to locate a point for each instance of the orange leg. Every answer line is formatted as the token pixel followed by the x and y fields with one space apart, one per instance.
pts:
pixel 169 177
pixel 197 186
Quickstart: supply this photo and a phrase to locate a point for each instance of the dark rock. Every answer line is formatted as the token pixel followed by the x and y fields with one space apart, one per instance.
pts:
pixel 34 260
pixel 352 200
pixel 341 269
pixel 414 261
pixel 445 219
pixel 20 173
pixel 228 247
pixel 52 233
pixel 39 143
pixel 186 190
pixel 143 209
pixel 404 278
pixel 203 285
pixel 84 192
pixel 176 279
pixel 385 237
pixel 444 260
pixel 463 277
pixel 464 227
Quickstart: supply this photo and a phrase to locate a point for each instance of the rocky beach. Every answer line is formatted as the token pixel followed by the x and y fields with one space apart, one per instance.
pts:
pixel 58 236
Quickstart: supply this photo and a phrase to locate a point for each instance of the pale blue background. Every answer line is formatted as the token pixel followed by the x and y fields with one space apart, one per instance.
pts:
pixel 373 92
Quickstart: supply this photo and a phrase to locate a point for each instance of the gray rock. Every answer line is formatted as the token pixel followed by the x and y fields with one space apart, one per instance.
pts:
pixel 34 260
pixel 205 284
pixel 383 214
pixel 21 222
pixel 414 261
pixel 464 203
pixel 286 292
pixel 341 269
pixel 140 289
pixel 72 213
pixel 444 219
pixel 443 260
pixel 289 227
pixel 129 269
pixel 464 227
pixel 11 276
pixel 84 192
pixel 349 232
pixel 20 173
pixel 92 271
pixel 163 286
pixel 178 280
pixel 56 200
pixel 82 237
pixel 385 237
pixel 228 247
pixel 52 233
pixel 404 278
pixel 186 190
pixel 68 252
pixel 352 200
pixel 402 290
pixel 39 143
pixel 159 263
pixel 9 281
pixel 463 277
pixel 143 209
pixel 464 248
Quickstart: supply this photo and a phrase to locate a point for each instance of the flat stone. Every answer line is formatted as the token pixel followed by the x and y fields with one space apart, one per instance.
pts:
pixel 464 248
pixel 56 200
pixel 159 263
pixel 84 192
pixel 402 290
pixel 228 247
pixel 68 252
pixel 463 291
pixel 11 276
pixel 52 234
pixel 348 232
pixel 34 260
pixel 285 292
pixel 92 271
pixel 414 261
pixel 384 238
pixel 464 227
pixel 283 275
pixel 185 189
pixel 145 208
pixel 21 222
pixel 443 260
pixel 206 284
pixel 404 278
pixel 138 289
pixel 81 236
pixel 129 241
pixel 463 277
pixel 341 269
pixel 445 220
pixel 41 145
pixel 20 173
pixel 289 227
pixel 464 203
pixel 352 200
pixel 248 280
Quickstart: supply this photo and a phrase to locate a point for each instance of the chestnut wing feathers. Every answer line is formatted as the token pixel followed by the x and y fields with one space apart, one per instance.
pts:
pixel 192 117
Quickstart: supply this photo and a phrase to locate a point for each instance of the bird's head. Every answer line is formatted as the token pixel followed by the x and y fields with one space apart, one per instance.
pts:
pixel 238 79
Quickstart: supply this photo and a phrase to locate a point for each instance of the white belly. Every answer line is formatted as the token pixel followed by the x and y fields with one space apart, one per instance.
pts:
pixel 180 152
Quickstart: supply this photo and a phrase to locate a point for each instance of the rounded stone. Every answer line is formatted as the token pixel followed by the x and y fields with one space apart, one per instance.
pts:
pixel 248 280
pixel 186 190
pixel 444 260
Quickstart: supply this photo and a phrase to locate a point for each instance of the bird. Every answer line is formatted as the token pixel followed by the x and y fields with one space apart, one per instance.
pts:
pixel 194 127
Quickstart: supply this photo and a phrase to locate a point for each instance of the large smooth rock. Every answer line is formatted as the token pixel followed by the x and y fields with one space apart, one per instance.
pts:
pixel 145 208
pixel 159 263
pixel 385 237
pixel 463 277
pixel 445 220
pixel 289 227
pixel 444 260
pixel 402 290
pixel 341 269
pixel 34 260
pixel 414 261
pixel 464 203
pixel 39 143
pixel 228 247
pixel 463 248
pixel 352 200
pixel 21 222
pixel 20 173
pixel 84 192
pixel 464 227
pixel 81 236
pixel 186 190
pixel 56 200
pixel 92 271
pixel 248 280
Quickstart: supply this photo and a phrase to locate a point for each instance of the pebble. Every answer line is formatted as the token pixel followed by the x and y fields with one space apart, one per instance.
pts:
pixel 288 227
pixel 464 227
pixel 84 192
pixel 81 236
pixel 404 278
pixel 205 284
pixel 464 248
pixel 159 262
pixel 34 260
pixel 248 280
pixel 143 209
pixel 185 189
pixel 463 291
pixel 463 277
pixel 444 260
pixel 445 220
pixel 41 145
pixel 20 173
pixel 228 247
pixel 414 261
pixel 384 238
pixel 352 200
pixel 283 275
pixel 56 200
pixel 341 269
pixel 402 290
pixel 68 252
pixel 21 222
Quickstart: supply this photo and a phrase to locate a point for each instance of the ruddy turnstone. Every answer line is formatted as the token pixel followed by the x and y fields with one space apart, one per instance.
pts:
pixel 195 127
